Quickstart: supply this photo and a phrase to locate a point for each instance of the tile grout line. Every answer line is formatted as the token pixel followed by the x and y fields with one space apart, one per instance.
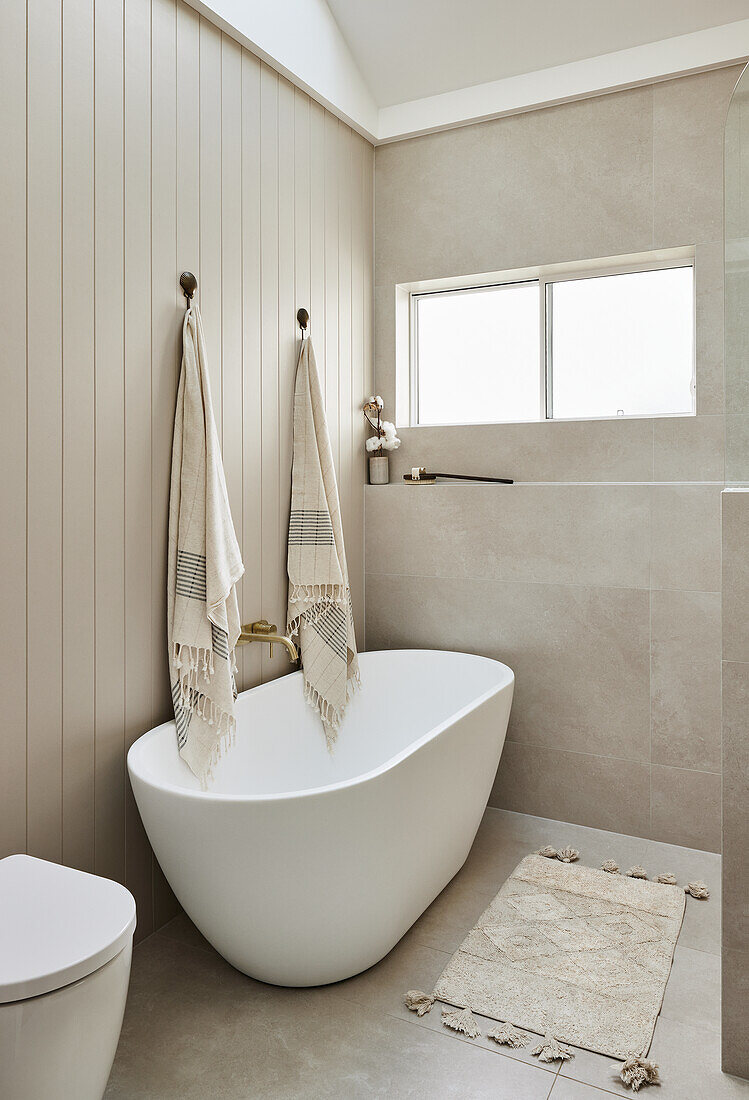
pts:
pixel 622 759
pixel 548 583
pixel 587 1085
pixel 469 1043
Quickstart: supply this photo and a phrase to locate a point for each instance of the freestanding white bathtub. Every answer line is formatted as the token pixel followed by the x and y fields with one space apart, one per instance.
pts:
pixel 303 867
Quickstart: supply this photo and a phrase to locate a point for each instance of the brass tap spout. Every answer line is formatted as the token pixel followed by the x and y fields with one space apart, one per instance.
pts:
pixel 263 631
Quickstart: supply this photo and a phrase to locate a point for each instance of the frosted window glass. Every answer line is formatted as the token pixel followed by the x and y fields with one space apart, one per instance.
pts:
pixel 479 355
pixel 622 345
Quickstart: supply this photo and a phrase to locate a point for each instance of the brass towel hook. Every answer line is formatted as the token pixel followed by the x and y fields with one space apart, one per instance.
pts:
pixel 189 285
pixel 303 318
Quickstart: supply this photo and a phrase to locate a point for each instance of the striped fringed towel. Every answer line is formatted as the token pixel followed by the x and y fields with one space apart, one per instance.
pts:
pixel 319 596
pixel 204 567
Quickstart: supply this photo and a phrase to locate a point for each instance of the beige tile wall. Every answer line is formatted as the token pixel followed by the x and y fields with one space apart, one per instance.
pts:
pixel 735 781
pixel 735 546
pixel 604 598
pixel 138 141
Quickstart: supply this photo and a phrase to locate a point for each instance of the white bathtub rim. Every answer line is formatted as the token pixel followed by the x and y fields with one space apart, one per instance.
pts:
pixel 328 788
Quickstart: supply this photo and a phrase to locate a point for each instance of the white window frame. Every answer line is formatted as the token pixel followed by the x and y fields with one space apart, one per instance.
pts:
pixel 545 278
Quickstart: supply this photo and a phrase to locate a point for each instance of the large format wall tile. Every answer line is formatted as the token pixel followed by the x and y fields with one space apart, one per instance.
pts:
pixel 735 1033
pixel 564 534
pixel 735 1038
pixel 688 120
pixel 544 186
pixel 688 448
pixel 568 786
pixel 686 537
pixel 685 679
pixel 735 576
pixel 626 673
pixel 580 654
pixel 736 328
pixel 685 807
pixel 735 803
pixel 709 267
pixel 737 448
pixel 552 450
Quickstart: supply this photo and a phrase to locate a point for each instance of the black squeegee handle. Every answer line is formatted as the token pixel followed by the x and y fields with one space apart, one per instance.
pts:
pixel 464 477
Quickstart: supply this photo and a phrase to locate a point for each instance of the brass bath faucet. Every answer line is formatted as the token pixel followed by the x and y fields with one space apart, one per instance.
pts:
pixel 263 631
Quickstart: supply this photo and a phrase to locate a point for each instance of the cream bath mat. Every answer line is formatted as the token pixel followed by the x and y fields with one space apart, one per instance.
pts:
pixel 572 952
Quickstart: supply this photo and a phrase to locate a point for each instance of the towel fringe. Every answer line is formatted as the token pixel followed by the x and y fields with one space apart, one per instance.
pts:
pixel 191 661
pixel 331 717
pixel 227 737
pixel 319 597
pixel 195 663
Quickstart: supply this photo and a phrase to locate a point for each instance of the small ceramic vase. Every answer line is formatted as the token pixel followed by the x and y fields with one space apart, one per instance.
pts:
pixel 379 470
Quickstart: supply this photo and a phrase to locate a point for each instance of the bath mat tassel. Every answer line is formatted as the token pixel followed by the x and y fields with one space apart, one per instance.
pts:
pixel 637 1072
pixel 551 1050
pixel 697 890
pixel 418 1002
pixel 509 1036
pixel 461 1020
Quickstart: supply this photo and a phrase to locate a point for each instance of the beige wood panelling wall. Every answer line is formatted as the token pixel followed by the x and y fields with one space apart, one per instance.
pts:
pixel 138 141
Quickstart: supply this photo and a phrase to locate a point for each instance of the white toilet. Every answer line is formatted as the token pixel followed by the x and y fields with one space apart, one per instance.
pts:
pixel 66 941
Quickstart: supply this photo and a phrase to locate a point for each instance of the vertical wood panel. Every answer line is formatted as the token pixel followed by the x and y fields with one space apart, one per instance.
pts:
pixel 345 387
pixel 288 346
pixel 231 275
pixel 166 322
pixel 317 235
pixel 44 387
pixel 302 204
pixel 109 505
pixel 210 205
pixel 167 305
pixel 13 426
pixel 78 433
pixel 331 285
pixel 270 510
pixel 139 650
pixel 188 144
pixel 154 145
pixel 252 390
pixel 355 533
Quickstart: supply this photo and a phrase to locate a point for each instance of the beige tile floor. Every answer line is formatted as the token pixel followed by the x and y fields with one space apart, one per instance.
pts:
pixel 197 1029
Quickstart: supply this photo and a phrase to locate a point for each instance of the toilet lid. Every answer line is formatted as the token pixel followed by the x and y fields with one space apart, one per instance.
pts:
pixel 57 925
